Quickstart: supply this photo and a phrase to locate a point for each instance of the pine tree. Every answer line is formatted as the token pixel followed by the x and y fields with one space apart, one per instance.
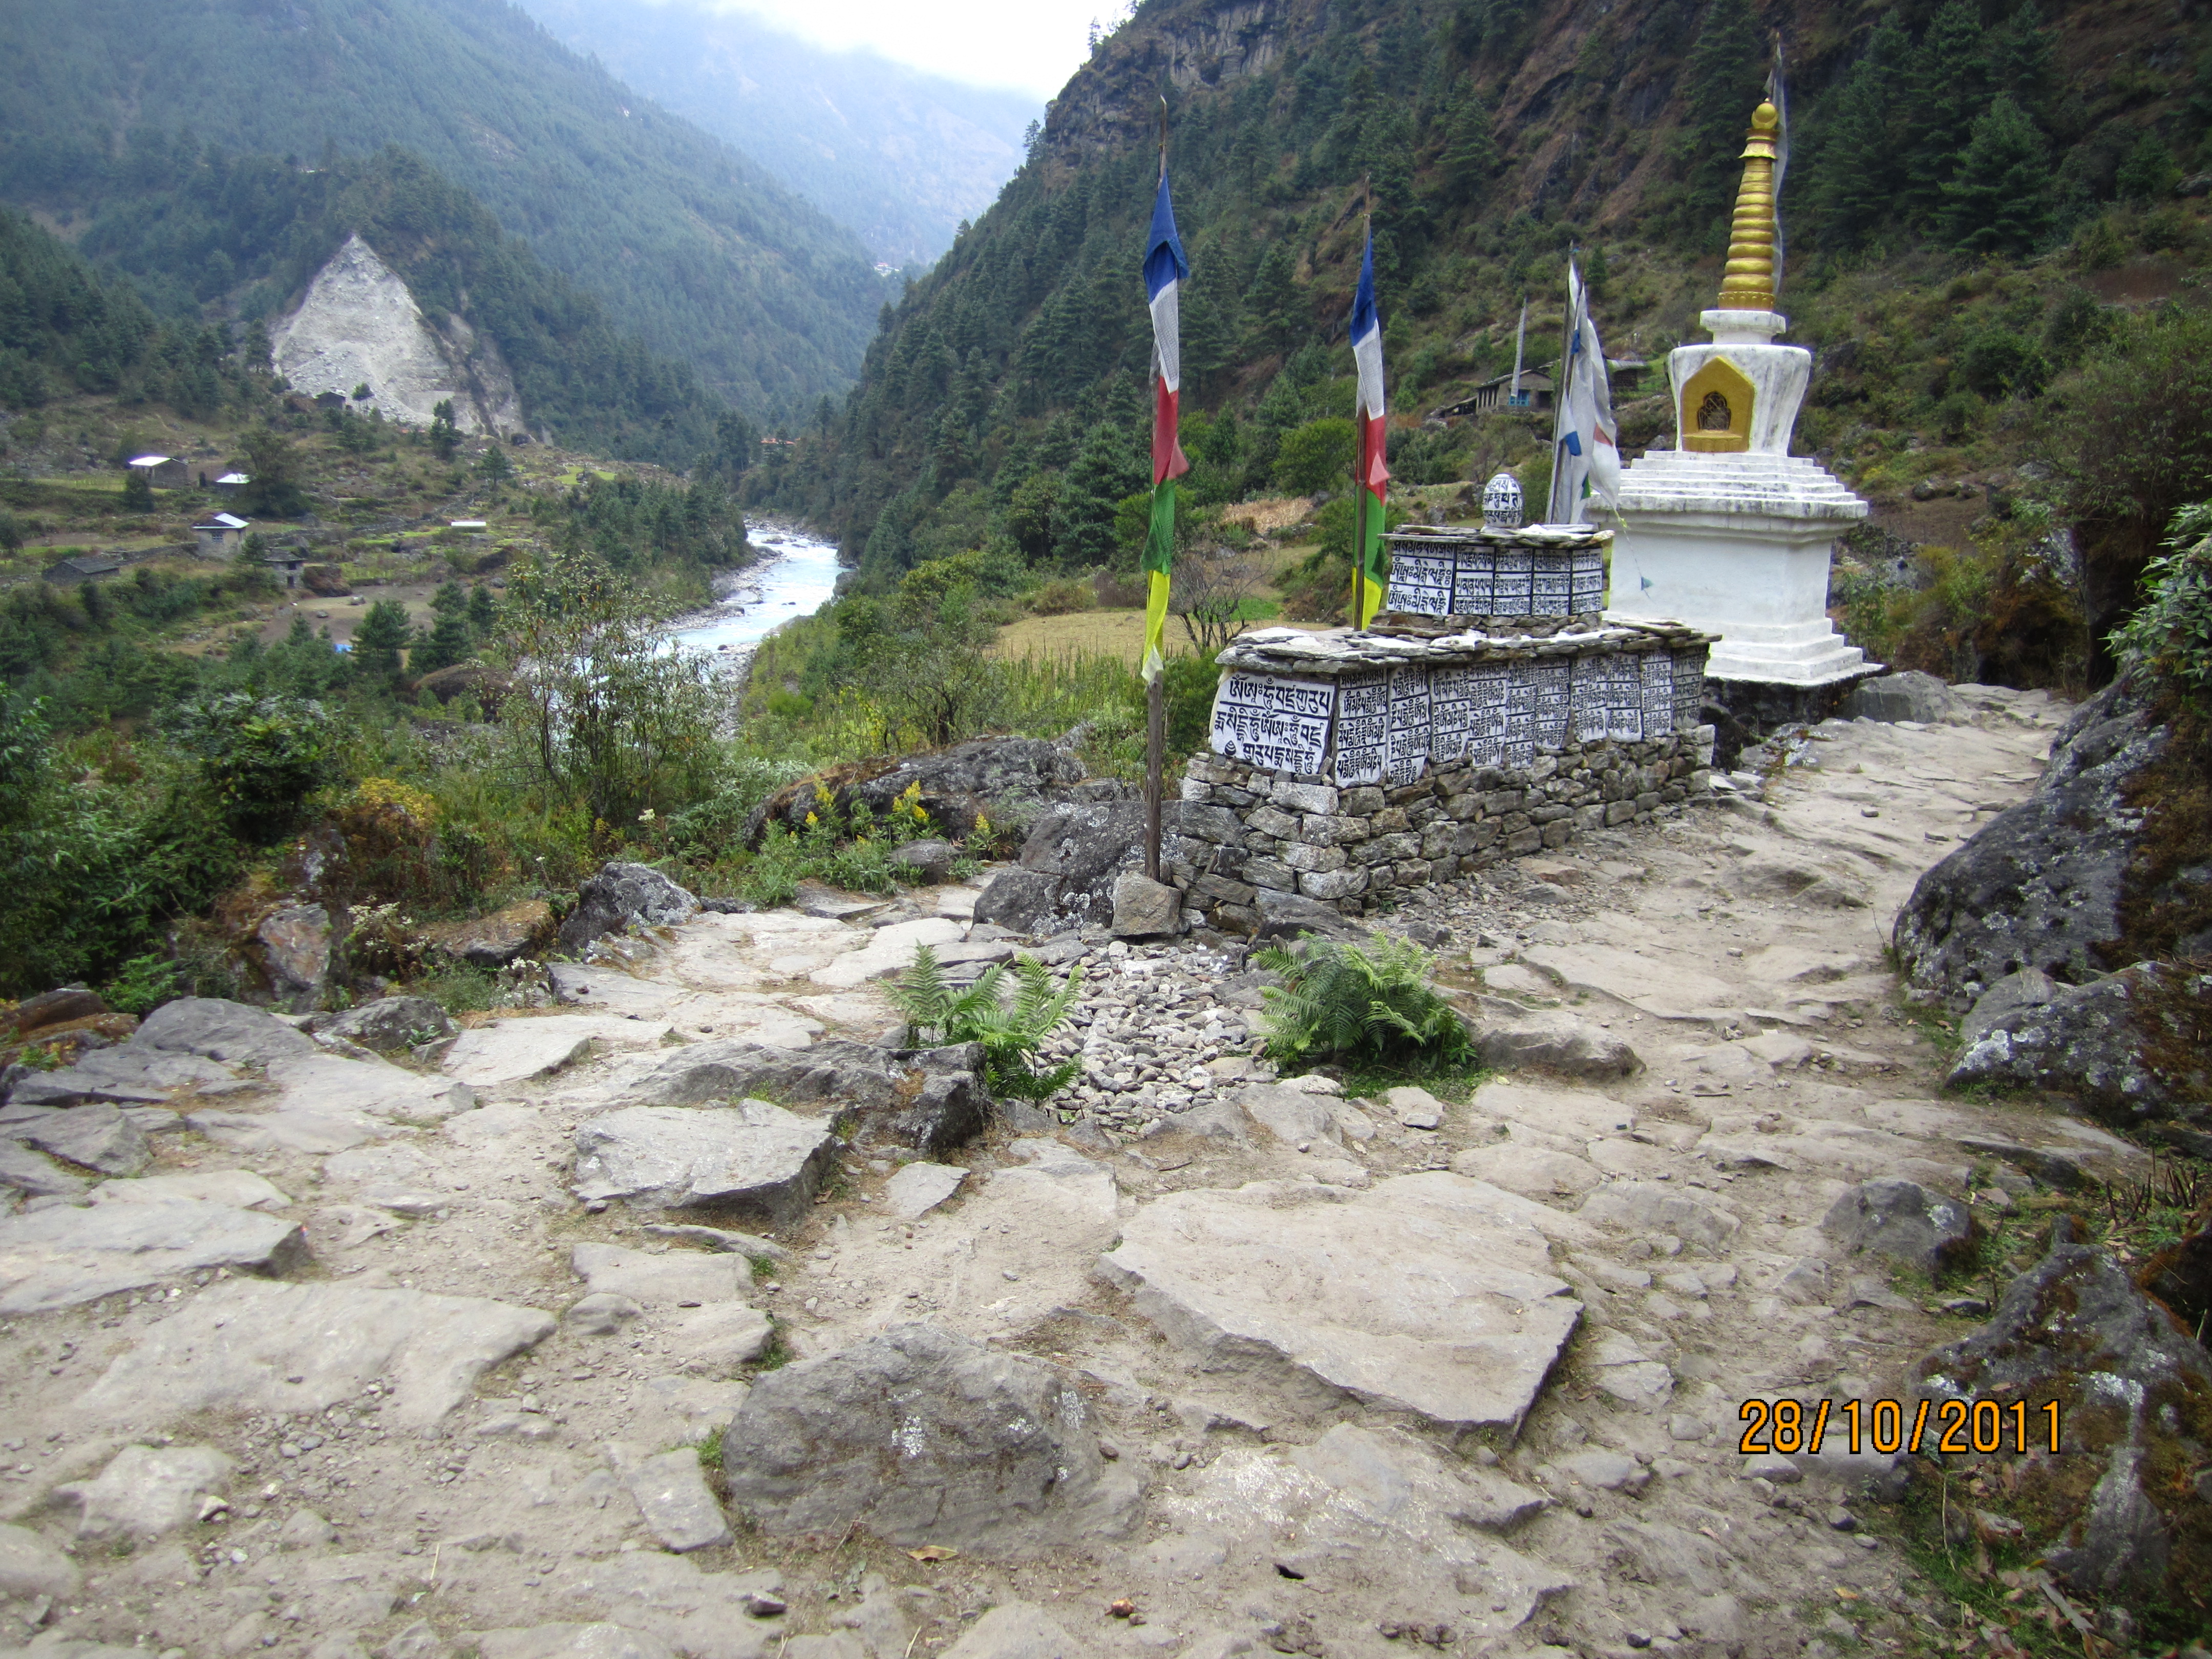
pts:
pixel 1213 320
pixel 2022 61
pixel 483 611
pixel 1856 167
pixel 2000 201
pixel 1470 153
pixel 377 643
pixel 1950 82
pixel 1272 301
pixel 1725 73
pixel 447 644
pixel 1108 469
pixel 137 492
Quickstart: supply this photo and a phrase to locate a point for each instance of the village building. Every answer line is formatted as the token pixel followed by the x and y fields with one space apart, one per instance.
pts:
pixel 286 563
pixel 219 535
pixel 160 471
pixel 82 568
pixel 231 483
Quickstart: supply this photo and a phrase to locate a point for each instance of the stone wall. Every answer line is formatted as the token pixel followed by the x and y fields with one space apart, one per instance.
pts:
pixel 1245 832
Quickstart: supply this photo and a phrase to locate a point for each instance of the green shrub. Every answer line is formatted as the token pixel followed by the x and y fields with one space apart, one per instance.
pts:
pixel 1372 1005
pixel 143 984
pixel 262 755
pixel 1010 1033
pixel 2171 634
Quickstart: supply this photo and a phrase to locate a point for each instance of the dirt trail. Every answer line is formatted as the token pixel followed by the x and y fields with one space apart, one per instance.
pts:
pixel 1355 1382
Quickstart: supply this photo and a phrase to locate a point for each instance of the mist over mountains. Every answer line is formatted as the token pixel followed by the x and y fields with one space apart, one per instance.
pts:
pixel 897 156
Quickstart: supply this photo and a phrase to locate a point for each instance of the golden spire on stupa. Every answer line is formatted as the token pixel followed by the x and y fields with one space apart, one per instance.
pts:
pixel 1748 284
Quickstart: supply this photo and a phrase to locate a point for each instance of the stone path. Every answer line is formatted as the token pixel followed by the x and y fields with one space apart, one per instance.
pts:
pixel 1278 1368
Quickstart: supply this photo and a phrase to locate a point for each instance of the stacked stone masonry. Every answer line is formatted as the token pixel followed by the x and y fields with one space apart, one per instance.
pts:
pixel 1344 765
pixel 1276 832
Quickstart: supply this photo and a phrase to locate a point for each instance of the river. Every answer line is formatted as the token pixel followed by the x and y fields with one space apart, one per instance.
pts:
pixel 798 577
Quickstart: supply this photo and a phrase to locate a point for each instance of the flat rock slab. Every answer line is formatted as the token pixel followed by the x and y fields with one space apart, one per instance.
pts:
pixel 718 1338
pixel 664 1280
pixel 671 1492
pixel 1533 1171
pixel 918 1188
pixel 1359 1501
pixel 1658 982
pixel 1424 1295
pixel 30 1566
pixel 325 1083
pixel 518 1050
pixel 145 1491
pixel 241 1189
pixel 754 1161
pixel 125 1075
pixel 891 951
pixel 61 1257
pixel 922 1437
pixel 1646 1207
pixel 217 1029
pixel 35 1175
pixel 102 1138
pixel 597 1640
pixel 239 1346
pixel 302 1129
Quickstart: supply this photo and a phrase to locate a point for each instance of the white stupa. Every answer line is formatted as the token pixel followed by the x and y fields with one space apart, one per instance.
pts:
pixel 1728 531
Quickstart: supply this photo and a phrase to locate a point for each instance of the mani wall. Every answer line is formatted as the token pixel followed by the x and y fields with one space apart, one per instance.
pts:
pixel 1441 739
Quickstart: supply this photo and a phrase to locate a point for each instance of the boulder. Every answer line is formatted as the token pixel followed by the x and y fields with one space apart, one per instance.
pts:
pixel 2134 1392
pixel 1144 908
pixel 921 1437
pixel 2040 886
pixel 60 1257
pixel 2098 1042
pixel 1002 778
pixel 931 1099
pixel 1901 1220
pixel 1428 1295
pixel 1909 696
pixel 753 1162
pixel 241 1189
pixel 388 1025
pixel 498 939
pixel 1021 901
pixel 144 1492
pixel 251 1346
pixel 487 686
pixel 621 897
pixel 1293 1116
pixel 102 1138
pixel 930 860
pixel 292 945
pixel 51 1008
pixel 217 1029
pixel 2031 987
pixel 1085 846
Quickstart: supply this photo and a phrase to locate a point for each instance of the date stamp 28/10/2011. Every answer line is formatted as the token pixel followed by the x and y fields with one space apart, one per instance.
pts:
pixel 1955 1427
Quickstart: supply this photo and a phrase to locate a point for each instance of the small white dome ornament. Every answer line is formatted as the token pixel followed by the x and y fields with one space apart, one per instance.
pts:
pixel 1501 503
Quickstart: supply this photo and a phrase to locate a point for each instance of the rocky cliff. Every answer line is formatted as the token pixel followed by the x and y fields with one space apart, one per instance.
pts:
pixel 358 324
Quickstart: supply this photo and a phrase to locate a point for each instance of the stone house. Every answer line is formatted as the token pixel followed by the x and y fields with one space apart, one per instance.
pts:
pixel 82 568
pixel 219 535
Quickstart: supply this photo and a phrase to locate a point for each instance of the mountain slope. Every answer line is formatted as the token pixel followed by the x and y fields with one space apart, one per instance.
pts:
pixel 1931 140
pixel 898 156
pixel 693 247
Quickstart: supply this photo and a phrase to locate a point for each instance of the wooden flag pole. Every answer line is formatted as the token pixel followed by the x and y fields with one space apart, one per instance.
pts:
pixel 1358 448
pixel 1156 715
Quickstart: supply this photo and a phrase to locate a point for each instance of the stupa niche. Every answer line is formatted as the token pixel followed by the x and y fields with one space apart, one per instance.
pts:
pixel 1728 531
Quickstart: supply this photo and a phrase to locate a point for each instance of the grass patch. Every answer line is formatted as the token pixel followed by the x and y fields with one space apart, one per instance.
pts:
pixel 1454 1084
pixel 773 1357
pixel 710 1451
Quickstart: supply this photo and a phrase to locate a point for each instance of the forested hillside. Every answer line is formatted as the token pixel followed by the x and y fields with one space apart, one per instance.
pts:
pixel 693 247
pixel 897 156
pixel 1986 206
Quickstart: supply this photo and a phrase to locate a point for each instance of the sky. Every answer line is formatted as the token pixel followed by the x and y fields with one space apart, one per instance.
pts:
pixel 1029 45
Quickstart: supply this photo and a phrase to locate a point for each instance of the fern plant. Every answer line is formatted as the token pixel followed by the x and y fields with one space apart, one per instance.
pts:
pixel 1372 1005
pixel 1011 1030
